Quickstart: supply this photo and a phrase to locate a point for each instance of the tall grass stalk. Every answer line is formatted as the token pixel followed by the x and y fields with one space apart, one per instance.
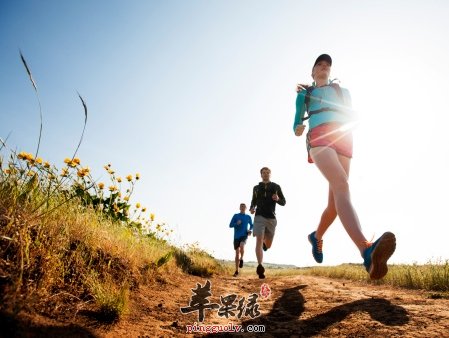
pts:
pixel 84 127
pixel 30 75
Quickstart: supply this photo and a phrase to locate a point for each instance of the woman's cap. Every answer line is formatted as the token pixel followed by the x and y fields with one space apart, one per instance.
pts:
pixel 323 57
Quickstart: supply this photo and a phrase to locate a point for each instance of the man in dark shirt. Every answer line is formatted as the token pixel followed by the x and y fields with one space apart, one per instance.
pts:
pixel 265 196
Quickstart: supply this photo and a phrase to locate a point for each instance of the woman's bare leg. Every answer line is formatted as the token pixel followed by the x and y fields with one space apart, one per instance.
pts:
pixel 328 216
pixel 330 213
pixel 330 164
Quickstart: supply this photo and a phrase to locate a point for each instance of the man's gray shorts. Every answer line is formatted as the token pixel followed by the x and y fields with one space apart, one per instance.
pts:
pixel 265 226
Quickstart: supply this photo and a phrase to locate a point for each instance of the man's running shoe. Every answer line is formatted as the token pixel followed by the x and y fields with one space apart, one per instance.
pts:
pixel 241 263
pixel 264 247
pixel 317 247
pixel 236 273
pixel 260 271
pixel 376 255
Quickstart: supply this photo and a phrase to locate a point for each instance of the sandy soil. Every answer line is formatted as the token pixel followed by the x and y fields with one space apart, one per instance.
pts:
pixel 297 306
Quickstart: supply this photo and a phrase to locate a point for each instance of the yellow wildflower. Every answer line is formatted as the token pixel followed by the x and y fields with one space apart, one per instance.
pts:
pixel 70 163
pixel 77 160
pixel 152 217
pixel 112 188
pixel 23 155
pixel 101 185
pixel 46 164
pixel 129 178
pixel 119 179
pixel 83 172
pixel 64 172
pixel 137 205
pixel 126 198
pixel 39 160
pixel 137 176
pixel 144 209
pixel 30 158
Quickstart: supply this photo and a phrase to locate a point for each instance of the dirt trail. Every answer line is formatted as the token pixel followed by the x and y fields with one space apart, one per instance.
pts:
pixel 299 306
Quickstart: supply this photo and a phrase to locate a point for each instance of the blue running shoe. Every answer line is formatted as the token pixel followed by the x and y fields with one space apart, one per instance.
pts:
pixel 375 257
pixel 317 247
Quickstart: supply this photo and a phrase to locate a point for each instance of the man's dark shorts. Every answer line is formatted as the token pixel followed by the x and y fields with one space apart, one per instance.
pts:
pixel 238 241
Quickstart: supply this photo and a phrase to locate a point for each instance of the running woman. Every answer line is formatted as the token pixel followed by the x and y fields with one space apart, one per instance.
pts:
pixel 329 146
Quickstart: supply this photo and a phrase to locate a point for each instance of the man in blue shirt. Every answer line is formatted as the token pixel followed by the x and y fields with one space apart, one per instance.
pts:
pixel 240 223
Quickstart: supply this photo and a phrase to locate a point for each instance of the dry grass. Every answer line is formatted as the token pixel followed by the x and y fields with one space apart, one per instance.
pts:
pixel 433 276
pixel 76 252
pixel 43 256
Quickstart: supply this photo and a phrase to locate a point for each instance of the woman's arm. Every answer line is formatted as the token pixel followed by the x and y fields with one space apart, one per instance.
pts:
pixel 298 127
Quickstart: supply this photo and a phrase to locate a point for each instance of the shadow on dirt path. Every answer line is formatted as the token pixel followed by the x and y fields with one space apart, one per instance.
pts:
pixel 284 317
pixel 12 327
pixel 379 309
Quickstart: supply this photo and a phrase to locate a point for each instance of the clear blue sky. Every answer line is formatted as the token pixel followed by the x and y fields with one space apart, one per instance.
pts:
pixel 197 96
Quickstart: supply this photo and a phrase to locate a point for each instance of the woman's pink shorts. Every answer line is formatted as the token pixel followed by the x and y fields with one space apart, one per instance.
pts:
pixel 330 135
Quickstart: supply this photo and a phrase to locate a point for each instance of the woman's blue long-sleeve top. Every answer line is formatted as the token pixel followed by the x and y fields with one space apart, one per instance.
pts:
pixel 324 97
